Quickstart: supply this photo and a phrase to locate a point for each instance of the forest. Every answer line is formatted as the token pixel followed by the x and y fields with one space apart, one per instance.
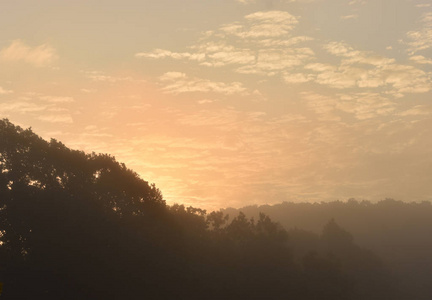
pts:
pixel 77 225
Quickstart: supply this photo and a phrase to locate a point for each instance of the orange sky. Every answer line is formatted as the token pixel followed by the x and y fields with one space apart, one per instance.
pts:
pixel 231 103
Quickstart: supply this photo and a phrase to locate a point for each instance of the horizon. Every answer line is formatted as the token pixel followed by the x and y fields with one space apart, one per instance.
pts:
pixel 232 103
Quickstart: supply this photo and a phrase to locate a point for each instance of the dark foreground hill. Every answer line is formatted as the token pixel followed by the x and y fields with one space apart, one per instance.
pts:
pixel 83 226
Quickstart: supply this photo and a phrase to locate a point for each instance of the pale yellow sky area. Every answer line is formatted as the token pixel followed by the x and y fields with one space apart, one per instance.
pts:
pixel 232 102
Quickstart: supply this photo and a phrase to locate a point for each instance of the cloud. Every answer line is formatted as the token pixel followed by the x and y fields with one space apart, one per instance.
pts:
pixel 38 56
pixel 324 106
pixel 205 101
pixel 54 99
pixel 216 48
pixel 4 91
pixel 420 59
pixel 21 107
pixel 361 106
pixel 263 24
pixel 273 54
pixel 102 77
pixel 339 78
pixel 230 56
pixel 349 17
pixel 406 79
pixel 423 5
pixel 354 2
pixel 297 78
pixel 269 2
pixel 34 106
pixel 418 110
pixel 282 42
pixel 161 53
pixel 172 76
pixel 88 91
pixel 177 83
pixel 364 69
pixel 421 39
pixel 365 105
pixel 56 118
pixel 261 43
pixel 352 56
pixel 270 61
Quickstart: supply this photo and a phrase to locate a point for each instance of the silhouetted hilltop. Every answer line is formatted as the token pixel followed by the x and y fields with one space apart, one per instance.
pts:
pixel 84 226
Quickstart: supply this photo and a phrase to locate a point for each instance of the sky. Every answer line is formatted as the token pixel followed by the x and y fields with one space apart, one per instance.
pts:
pixel 228 103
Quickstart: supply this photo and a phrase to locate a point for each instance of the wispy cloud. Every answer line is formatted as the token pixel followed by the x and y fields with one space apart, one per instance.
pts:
pixel 103 77
pixel 54 99
pixel 19 51
pixel 177 83
pixel 420 39
pixel 228 55
pixel 297 78
pixel 269 2
pixel 64 118
pixel 418 110
pixel 272 61
pixel 38 107
pixel 349 17
pixel 423 5
pixel 420 59
pixel 4 91
pixel 361 106
pixel 262 24
pixel 21 106
pixel 261 43
pixel 366 105
pixel 356 2
pixel 364 69
pixel 261 50
pixel 161 53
